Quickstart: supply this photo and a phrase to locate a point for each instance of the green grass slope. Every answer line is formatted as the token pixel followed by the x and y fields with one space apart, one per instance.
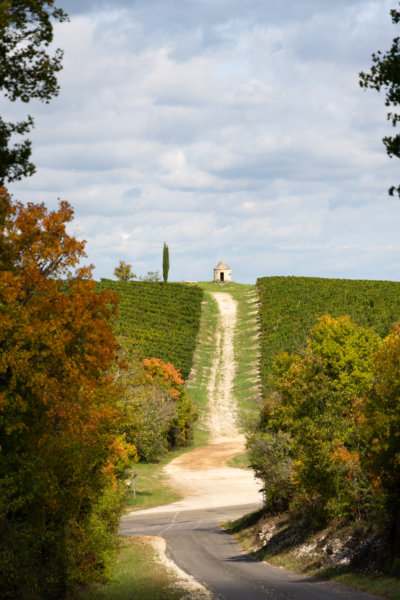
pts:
pixel 157 319
pixel 290 306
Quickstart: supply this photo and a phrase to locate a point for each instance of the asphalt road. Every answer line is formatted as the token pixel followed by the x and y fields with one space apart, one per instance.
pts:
pixel 202 549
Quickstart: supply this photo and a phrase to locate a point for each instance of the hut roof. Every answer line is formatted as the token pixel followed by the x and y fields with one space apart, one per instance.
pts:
pixel 222 265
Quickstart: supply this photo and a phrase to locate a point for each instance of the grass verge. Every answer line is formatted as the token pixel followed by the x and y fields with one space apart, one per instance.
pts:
pixel 137 574
pixel 152 487
pixel 199 377
pixel 240 461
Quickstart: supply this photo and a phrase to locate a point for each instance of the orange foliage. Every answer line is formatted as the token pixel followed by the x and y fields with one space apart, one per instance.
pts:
pixel 58 402
pixel 165 374
pixel 170 379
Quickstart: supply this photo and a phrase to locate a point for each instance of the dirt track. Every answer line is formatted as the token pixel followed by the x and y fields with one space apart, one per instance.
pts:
pixel 202 474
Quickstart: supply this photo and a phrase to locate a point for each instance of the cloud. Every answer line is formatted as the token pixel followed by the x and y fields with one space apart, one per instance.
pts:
pixel 229 129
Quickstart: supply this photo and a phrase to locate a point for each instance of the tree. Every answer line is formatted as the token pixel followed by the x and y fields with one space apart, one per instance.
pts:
pixel 27 71
pixel 382 427
pixel 124 272
pixel 385 73
pixel 170 379
pixel 309 430
pixel 153 276
pixel 165 262
pixel 60 446
pixel 158 414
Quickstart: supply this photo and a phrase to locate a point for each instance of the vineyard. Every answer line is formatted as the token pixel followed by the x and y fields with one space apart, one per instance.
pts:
pixel 290 306
pixel 157 320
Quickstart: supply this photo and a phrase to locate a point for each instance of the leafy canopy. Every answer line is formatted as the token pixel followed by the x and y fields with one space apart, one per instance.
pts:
pixel 385 73
pixel 27 71
pixel 60 446
pixel 307 438
pixel 123 272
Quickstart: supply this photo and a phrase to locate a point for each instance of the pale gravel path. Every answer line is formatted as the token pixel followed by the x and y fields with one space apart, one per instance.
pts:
pixel 202 474
pixel 222 409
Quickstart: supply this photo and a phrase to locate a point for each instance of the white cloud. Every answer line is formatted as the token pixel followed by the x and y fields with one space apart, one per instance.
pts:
pixel 228 129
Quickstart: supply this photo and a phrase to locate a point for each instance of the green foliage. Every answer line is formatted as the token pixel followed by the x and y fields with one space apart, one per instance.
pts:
pixel 165 262
pixel 153 276
pixel 157 320
pixel 271 457
pixel 91 544
pixel 27 71
pixel 385 73
pixel 169 379
pixel 381 427
pixel 315 404
pixel 290 306
pixel 123 272
pixel 149 412
pixel 60 451
pixel 158 414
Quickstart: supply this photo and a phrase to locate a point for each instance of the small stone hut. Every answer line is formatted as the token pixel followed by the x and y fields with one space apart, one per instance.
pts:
pixel 222 272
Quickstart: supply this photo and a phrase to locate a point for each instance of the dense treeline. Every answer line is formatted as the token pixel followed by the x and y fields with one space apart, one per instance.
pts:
pixel 62 452
pixel 157 320
pixel 326 444
pixel 290 306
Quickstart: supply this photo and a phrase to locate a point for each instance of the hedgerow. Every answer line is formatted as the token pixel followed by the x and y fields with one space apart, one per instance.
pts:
pixel 157 320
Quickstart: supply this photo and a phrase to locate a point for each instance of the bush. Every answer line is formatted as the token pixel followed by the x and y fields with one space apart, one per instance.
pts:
pixel 159 415
pixel 314 410
pixel 271 458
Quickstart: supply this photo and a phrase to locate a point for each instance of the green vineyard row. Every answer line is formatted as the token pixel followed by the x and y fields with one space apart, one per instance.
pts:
pixel 290 306
pixel 157 320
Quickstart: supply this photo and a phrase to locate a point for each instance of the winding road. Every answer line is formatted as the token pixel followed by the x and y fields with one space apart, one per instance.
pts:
pixel 215 493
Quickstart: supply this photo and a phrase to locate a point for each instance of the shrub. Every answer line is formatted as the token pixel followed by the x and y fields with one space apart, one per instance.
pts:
pixel 159 415
pixel 314 410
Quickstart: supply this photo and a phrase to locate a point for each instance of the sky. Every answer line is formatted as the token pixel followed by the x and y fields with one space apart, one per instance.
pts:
pixel 229 129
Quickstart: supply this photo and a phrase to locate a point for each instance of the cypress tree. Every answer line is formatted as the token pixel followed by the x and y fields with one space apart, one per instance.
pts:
pixel 165 262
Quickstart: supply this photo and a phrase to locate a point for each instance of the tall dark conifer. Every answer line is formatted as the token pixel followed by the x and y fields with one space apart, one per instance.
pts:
pixel 165 262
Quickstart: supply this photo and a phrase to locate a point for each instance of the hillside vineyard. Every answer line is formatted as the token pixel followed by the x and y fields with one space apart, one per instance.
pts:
pixel 157 319
pixel 290 306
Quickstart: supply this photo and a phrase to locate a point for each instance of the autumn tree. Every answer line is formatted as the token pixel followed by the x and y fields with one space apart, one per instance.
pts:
pixel 307 444
pixel 385 74
pixel 381 427
pixel 123 271
pixel 27 71
pixel 165 262
pixel 158 413
pixel 149 410
pixel 60 446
